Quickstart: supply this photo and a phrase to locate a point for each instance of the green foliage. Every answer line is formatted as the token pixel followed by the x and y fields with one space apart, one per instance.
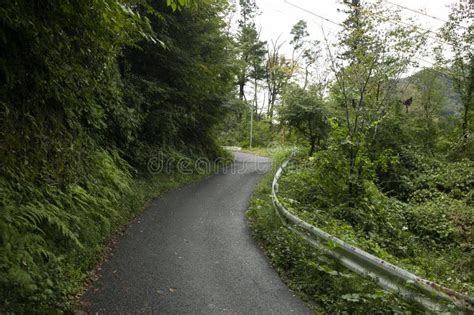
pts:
pixel 327 286
pixel 235 128
pixel 393 175
pixel 89 89
pixel 47 251
pixel 249 48
pixel 40 240
pixel 428 235
pixel 305 54
pixel 304 111
pixel 382 181
pixel 458 34
pixel 178 91
pixel 428 106
pixel 59 85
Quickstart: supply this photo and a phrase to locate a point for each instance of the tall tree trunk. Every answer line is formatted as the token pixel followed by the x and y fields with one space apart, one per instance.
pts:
pixel 255 98
pixel 350 184
pixel 313 146
pixel 271 105
pixel 465 130
pixel 306 76
pixel 241 90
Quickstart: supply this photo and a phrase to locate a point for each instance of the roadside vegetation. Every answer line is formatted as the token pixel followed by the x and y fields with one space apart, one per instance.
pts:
pixel 93 95
pixel 429 233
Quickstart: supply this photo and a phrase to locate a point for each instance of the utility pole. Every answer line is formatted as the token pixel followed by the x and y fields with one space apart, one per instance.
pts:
pixel 251 127
pixel 251 121
pixel 253 108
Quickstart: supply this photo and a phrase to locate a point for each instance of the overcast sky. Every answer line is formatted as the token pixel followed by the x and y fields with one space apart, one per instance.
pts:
pixel 277 17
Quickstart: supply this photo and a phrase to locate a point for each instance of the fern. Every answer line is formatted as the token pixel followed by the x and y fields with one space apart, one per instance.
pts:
pixel 38 226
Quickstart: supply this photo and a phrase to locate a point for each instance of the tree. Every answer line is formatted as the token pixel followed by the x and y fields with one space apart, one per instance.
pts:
pixel 89 92
pixel 373 55
pixel 251 51
pixel 257 69
pixel 427 107
pixel 305 52
pixel 303 110
pixel 278 71
pixel 458 33
pixel 182 86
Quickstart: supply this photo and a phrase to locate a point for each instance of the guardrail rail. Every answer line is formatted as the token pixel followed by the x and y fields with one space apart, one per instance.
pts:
pixel 432 296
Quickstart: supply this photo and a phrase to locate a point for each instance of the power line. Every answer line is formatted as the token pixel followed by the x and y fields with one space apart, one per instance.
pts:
pixel 312 13
pixel 436 39
pixel 321 25
pixel 372 14
pixel 420 12
pixel 338 24
pixel 435 69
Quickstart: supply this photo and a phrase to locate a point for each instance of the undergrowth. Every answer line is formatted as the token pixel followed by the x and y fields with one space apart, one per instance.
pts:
pixel 327 287
pixel 52 237
pixel 429 234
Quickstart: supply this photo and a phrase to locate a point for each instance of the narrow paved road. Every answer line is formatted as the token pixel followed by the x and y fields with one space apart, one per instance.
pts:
pixel 192 252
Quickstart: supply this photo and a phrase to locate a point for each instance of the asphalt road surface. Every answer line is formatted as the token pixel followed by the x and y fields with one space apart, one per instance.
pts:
pixel 191 252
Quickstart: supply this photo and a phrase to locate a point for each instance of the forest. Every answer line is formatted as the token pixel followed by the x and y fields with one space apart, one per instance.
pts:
pixel 91 91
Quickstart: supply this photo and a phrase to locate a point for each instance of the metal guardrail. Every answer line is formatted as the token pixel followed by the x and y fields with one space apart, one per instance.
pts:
pixel 432 296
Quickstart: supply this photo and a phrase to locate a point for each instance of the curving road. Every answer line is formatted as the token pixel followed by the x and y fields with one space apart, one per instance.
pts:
pixel 191 252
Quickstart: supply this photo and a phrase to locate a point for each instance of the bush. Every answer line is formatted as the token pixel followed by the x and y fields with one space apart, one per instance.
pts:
pixel 430 235
pixel 325 285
